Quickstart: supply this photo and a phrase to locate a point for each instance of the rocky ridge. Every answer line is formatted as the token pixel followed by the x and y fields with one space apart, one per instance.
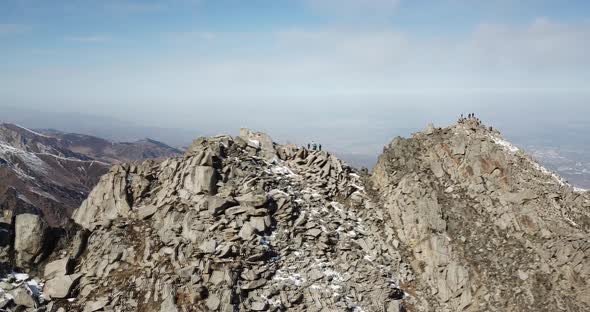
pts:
pixel 236 224
pixel 487 228
pixel 453 219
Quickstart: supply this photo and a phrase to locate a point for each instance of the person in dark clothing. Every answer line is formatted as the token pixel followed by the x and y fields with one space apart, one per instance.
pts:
pixel 320 147
pixel 308 146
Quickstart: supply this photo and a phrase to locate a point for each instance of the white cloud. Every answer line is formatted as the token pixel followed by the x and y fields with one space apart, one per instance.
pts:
pixel 540 55
pixel 541 45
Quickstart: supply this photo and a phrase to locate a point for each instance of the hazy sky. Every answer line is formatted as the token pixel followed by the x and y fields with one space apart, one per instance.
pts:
pixel 313 65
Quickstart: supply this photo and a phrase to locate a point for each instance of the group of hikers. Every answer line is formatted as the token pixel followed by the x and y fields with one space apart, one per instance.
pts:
pixel 473 120
pixel 314 146
pixel 470 117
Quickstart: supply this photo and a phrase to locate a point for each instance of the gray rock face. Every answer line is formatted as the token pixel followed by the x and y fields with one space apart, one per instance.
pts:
pixel 58 268
pixel 201 180
pixel 61 286
pixel 237 225
pixel 108 200
pixel 479 219
pixel 260 142
pixel 452 219
pixel 97 305
pixel 29 240
pixel 23 298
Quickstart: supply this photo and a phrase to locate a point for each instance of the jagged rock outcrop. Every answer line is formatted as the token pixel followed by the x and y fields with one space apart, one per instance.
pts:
pixel 29 238
pixel 453 219
pixel 44 177
pixel 486 227
pixel 236 224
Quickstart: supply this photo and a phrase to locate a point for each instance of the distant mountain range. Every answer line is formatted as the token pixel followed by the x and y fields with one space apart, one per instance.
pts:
pixel 50 172
pixel 109 128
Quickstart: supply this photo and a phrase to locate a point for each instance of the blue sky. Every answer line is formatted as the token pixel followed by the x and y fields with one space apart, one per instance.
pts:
pixel 180 62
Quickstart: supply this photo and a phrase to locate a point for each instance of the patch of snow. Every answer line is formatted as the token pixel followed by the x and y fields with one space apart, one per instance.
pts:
pixel 255 143
pixel 34 287
pixel 580 190
pixel 513 149
pixel 283 170
pixel 25 199
pixel 273 302
pixel 31 161
pixel 33 132
pixel 44 194
pixel 329 272
pixel 336 205
pixel 505 144
pixel 335 287
pixel 360 188
pixel 354 175
pixel 265 242
pixel 73 159
pixel 20 276
pixel 293 278
pixel 358 309
pixel 544 170
pixel 571 221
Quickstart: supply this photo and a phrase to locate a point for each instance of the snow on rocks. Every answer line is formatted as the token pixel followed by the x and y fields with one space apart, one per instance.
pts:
pixel 24 163
pixel 275 230
pixel 504 144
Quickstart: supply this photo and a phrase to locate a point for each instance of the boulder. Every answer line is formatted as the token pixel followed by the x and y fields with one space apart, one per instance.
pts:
pixel 202 180
pixel 169 305
pixel 96 305
pixel 252 199
pixel 213 302
pixel 218 205
pixel 29 240
pixel 23 297
pixel 58 268
pixel 107 201
pixel 61 286
pixel 260 141
pixel 145 212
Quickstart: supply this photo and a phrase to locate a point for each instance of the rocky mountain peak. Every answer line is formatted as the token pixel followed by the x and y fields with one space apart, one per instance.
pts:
pixel 236 224
pixel 488 228
pixel 451 219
